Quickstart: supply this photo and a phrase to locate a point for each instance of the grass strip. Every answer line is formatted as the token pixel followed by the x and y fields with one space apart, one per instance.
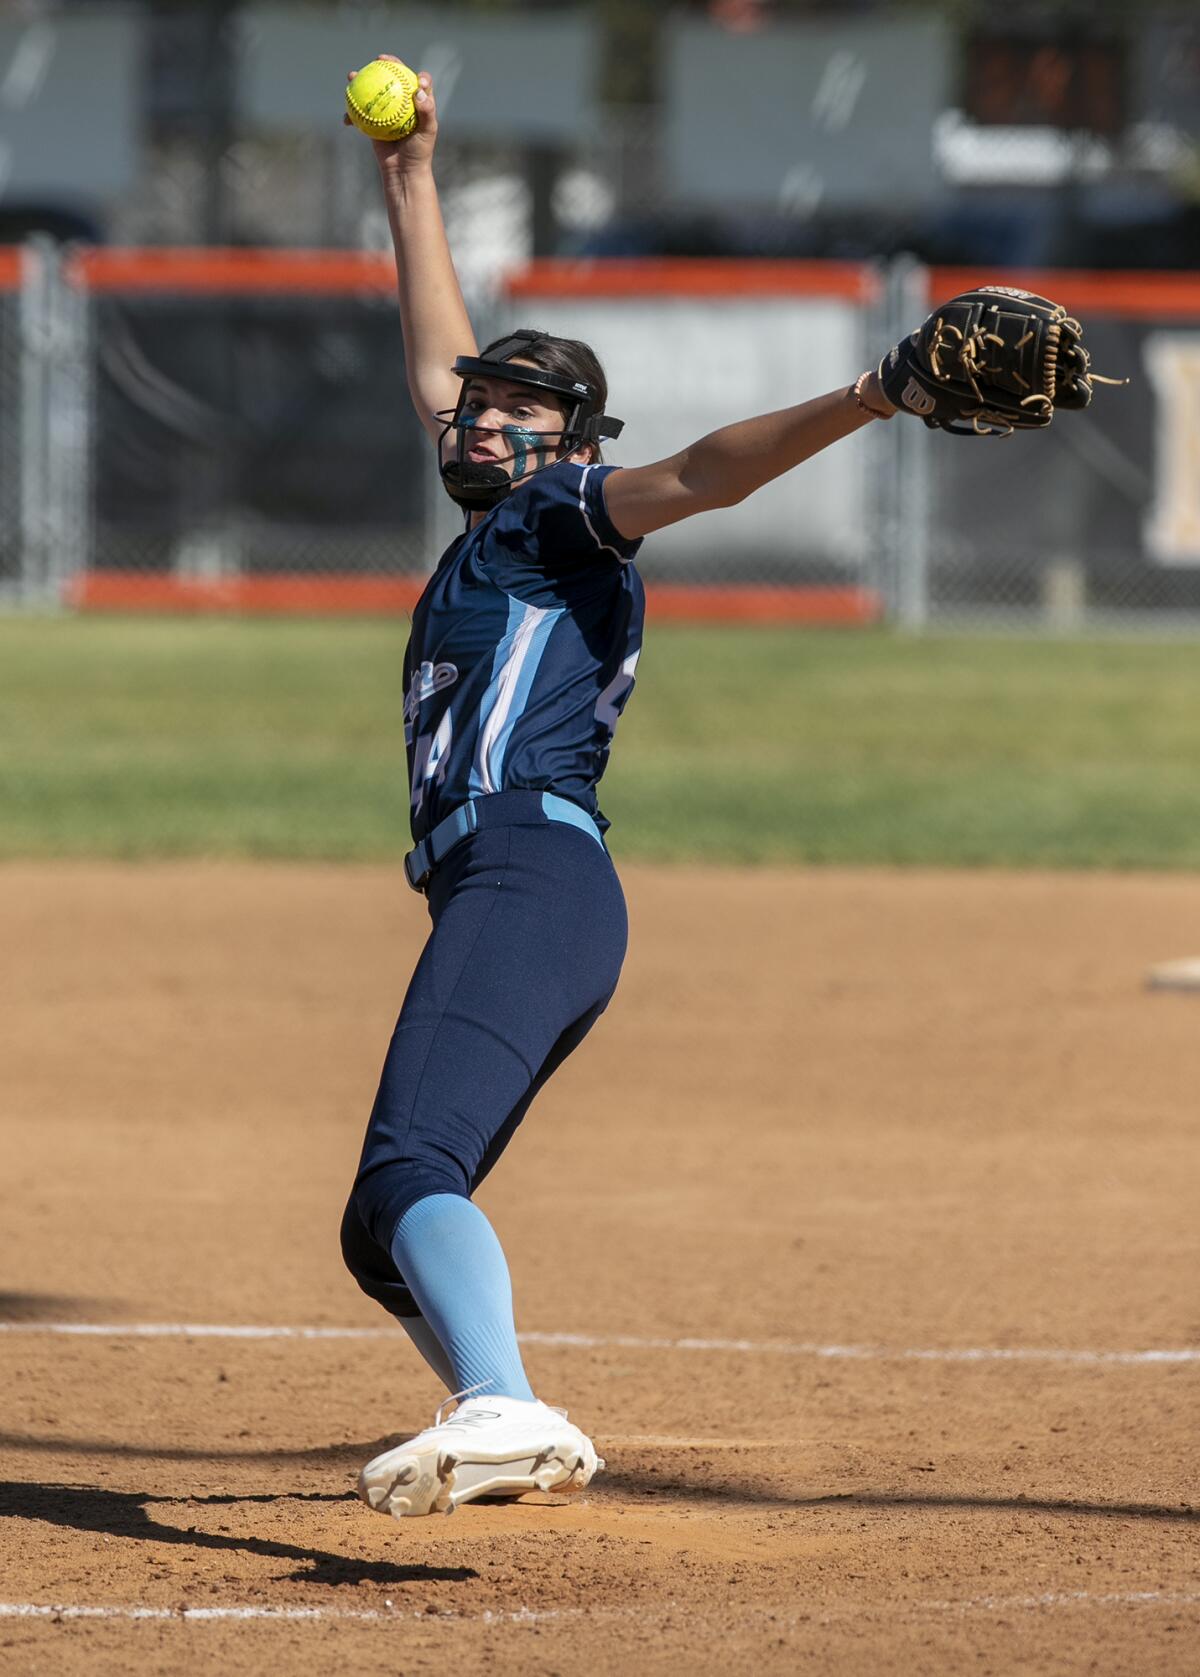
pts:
pixel 166 737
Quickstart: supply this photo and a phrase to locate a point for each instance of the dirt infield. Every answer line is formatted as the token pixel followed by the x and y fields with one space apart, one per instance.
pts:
pixel 872 1205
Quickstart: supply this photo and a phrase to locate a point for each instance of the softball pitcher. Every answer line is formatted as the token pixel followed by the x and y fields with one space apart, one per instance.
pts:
pixel 522 657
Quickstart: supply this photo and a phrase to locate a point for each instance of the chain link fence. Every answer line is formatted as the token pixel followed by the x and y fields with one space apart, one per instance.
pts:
pixel 240 434
pixel 1093 522
pixel 207 417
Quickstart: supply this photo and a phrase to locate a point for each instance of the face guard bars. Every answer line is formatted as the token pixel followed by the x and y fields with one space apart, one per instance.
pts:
pixel 477 486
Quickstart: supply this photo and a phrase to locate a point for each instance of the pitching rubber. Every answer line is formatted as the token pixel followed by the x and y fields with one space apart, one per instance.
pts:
pixel 1175 975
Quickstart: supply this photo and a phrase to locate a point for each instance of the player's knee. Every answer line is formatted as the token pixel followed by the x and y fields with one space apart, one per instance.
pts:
pixel 372 1265
pixel 355 1242
pixel 369 1263
pixel 377 1202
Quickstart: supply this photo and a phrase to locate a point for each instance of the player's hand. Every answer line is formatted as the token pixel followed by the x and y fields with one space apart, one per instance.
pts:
pixel 416 151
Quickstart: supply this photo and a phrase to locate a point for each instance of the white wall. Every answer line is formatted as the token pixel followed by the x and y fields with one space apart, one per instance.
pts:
pixel 680 367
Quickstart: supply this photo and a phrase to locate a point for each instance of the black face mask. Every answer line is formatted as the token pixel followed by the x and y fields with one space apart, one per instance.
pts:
pixel 478 486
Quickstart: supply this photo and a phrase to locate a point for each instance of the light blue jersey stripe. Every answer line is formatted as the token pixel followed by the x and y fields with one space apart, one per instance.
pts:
pixel 487 704
pixel 526 636
pixel 536 630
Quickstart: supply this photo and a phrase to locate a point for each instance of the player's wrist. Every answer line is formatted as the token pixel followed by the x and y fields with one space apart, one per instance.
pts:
pixel 869 395
pixel 400 169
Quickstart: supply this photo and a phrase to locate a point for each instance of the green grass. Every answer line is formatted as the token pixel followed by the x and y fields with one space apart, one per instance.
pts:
pixel 169 737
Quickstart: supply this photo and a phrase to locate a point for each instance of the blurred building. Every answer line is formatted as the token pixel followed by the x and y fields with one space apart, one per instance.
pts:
pixel 1061 135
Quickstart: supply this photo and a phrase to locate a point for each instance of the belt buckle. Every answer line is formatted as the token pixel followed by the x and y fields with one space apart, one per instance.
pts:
pixel 418 881
pixel 435 846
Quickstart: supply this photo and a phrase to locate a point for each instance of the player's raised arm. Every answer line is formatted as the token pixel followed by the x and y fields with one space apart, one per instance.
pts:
pixel 433 315
pixel 727 465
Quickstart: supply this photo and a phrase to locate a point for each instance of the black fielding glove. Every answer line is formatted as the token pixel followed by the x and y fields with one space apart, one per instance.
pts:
pixel 989 362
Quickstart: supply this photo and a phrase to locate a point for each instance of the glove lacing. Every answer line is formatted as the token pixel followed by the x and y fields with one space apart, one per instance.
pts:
pixel 969 352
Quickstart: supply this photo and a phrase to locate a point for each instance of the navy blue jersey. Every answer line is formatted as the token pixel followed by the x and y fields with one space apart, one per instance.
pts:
pixel 523 650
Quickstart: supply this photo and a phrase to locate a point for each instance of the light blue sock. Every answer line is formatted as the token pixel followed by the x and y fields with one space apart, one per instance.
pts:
pixel 430 1347
pixel 448 1253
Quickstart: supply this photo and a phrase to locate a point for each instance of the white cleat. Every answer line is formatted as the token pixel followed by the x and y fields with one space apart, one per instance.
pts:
pixel 490 1446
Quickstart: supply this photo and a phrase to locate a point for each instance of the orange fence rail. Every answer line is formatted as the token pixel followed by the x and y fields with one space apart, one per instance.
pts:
pixel 318 272
pixel 692 277
pixel 1132 294
pixel 1126 295
pixel 11 263
pixel 343 596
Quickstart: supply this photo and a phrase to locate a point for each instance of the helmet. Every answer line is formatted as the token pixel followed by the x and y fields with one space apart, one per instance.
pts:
pixel 478 487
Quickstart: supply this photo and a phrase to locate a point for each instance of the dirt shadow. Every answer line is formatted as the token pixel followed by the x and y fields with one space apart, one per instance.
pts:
pixel 126 1514
pixel 52 1307
pixel 1011 1504
pixel 338 1458
pixel 642 1485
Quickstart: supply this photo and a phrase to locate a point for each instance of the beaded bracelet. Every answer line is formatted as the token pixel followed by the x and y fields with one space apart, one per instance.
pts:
pixel 875 413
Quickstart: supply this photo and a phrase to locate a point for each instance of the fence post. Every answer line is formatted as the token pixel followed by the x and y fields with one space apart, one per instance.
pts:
pixel 910 487
pixel 70 441
pixel 34 421
pixel 54 409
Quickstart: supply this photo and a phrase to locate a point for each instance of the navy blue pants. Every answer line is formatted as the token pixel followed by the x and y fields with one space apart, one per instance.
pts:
pixel 529 933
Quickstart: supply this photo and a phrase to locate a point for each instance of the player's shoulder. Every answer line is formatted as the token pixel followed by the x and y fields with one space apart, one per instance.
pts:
pixel 566 501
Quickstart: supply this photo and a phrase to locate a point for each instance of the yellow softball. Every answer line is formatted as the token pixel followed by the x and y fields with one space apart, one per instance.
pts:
pixel 380 100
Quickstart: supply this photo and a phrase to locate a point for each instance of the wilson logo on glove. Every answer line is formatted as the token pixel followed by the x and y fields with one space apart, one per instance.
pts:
pixel 916 399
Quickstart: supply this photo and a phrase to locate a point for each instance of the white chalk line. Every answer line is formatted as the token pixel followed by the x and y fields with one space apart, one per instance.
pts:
pixel 674 1441
pixel 1066 1598
pixel 1048 1600
pixel 866 1353
pixel 287 1615
pixel 632 1342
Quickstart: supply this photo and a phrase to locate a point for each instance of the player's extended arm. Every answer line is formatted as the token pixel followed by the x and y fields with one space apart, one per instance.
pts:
pixel 433 315
pixel 727 465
